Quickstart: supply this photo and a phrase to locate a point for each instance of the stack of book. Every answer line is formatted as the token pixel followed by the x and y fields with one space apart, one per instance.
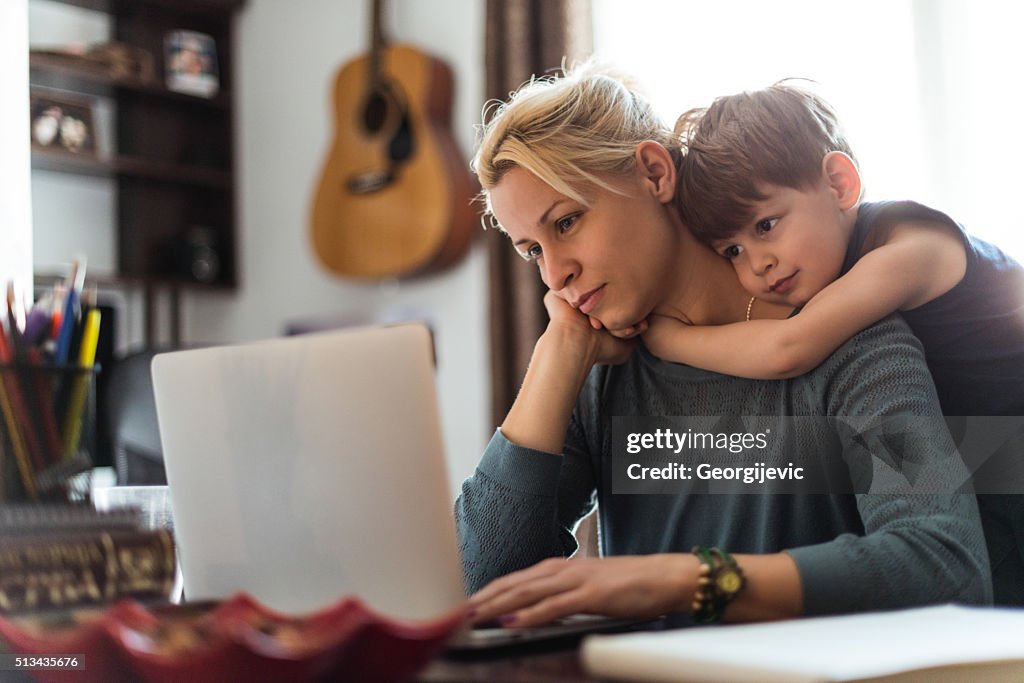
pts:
pixel 69 556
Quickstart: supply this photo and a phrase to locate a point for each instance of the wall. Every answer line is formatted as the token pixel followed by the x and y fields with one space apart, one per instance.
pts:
pixel 286 55
pixel 15 209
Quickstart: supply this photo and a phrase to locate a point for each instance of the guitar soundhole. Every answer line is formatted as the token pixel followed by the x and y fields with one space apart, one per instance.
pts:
pixel 385 116
pixel 375 114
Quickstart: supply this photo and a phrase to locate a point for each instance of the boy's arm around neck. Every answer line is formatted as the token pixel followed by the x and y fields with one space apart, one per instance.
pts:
pixel 915 265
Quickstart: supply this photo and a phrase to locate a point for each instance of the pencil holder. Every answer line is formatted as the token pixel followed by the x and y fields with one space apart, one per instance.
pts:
pixel 47 431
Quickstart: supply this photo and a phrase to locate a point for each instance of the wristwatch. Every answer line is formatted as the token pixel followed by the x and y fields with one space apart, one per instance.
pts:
pixel 729 580
pixel 720 581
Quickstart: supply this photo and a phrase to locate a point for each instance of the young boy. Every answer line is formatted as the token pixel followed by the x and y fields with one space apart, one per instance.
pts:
pixel 769 181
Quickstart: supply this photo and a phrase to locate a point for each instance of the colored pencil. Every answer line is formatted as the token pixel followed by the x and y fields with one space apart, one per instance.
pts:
pixel 21 452
pixel 86 358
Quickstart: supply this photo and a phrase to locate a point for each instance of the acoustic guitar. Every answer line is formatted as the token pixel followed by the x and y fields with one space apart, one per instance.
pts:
pixel 394 197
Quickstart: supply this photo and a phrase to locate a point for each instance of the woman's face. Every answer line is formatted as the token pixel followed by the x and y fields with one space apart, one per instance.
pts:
pixel 611 260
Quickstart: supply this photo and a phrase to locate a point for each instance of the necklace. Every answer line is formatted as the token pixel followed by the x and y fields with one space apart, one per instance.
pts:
pixel 750 306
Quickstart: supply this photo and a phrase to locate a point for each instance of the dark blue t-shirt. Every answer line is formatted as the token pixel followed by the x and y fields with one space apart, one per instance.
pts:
pixel 973 335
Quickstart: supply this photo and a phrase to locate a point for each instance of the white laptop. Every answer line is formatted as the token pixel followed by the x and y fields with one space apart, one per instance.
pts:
pixel 307 468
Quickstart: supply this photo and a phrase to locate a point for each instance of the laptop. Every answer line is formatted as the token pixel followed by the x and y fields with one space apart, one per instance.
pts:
pixel 306 468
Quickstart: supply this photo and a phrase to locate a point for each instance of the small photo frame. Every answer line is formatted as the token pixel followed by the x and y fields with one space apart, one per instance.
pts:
pixel 62 122
pixel 190 63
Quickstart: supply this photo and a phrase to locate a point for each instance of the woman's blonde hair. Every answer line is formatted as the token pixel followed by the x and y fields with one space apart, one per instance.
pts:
pixel 569 131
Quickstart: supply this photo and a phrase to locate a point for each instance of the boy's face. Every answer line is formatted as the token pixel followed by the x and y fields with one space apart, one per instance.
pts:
pixel 794 246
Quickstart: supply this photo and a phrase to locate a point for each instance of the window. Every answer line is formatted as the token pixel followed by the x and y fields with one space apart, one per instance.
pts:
pixel 926 88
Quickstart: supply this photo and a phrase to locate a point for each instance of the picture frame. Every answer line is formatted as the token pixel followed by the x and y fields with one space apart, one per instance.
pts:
pixel 190 63
pixel 62 122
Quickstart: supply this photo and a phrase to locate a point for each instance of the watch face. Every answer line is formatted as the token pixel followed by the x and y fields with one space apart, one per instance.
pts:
pixel 729 582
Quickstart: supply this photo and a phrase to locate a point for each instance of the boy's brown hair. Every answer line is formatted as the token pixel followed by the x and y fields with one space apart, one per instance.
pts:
pixel 778 135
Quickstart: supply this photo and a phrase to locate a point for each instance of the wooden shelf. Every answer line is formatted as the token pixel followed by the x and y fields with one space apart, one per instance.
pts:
pixel 121 281
pixel 182 174
pixel 195 7
pixel 60 72
pixel 173 173
pixel 67 162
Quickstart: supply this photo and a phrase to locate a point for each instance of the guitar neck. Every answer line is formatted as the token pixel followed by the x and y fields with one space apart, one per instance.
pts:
pixel 378 41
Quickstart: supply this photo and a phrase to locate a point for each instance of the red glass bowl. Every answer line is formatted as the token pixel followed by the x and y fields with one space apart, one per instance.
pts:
pixel 239 639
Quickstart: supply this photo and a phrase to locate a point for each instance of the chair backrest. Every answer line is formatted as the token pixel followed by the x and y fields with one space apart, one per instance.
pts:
pixel 131 419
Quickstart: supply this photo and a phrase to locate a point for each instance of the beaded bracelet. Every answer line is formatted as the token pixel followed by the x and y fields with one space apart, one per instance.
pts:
pixel 719 582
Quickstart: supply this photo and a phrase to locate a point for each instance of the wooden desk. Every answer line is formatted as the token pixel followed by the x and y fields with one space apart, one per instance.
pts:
pixel 545 661
pixel 546 664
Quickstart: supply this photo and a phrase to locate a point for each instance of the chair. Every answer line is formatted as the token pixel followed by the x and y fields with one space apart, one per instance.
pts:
pixel 131 419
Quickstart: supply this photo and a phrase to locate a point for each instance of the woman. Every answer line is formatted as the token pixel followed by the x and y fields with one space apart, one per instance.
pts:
pixel 581 175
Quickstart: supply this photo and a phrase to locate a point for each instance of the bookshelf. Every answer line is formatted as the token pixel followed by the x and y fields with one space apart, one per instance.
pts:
pixel 170 155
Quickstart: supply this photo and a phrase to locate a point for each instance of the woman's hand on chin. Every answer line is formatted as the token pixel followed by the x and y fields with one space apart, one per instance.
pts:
pixel 575 328
pixel 629 587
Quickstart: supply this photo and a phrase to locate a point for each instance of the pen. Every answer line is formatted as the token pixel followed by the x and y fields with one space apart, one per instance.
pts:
pixel 76 278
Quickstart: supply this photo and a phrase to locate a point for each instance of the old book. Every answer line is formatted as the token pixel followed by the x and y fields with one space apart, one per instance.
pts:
pixel 21 520
pixel 944 643
pixel 53 571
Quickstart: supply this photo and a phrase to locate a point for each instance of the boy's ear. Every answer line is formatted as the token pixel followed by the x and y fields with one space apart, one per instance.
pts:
pixel 843 178
pixel 656 170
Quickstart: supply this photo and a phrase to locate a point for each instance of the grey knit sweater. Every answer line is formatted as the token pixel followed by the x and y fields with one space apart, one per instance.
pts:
pixel 853 552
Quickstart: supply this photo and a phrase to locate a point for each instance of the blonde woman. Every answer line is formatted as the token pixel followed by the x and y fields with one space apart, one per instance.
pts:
pixel 581 175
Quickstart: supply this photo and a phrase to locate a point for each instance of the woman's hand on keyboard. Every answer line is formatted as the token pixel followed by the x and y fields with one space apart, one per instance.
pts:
pixel 628 587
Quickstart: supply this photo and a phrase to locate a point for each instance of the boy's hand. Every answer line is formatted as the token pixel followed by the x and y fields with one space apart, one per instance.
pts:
pixel 664 336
